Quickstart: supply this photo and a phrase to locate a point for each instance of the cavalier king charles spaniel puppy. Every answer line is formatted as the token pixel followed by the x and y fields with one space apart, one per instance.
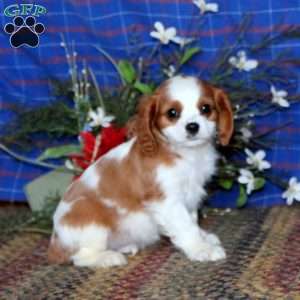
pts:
pixel 151 185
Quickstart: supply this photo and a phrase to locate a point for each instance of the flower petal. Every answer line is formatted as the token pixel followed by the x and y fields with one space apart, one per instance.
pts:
pixel 196 2
pixel 92 115
pixel 159 27
pixel 250 188
pixel 260 154
pixel 273 90
pixel 249 153
pixel 170 32
pixel 233 60
pixel 155 35
pixel 250 64
pixel 178 40
pixel 282 93
pixel 283 102
pixel 292 181
pixel 214 7
pixel 264 165
pixel 289 200
pixel 243 179
pixel 241 54
pixel 246 172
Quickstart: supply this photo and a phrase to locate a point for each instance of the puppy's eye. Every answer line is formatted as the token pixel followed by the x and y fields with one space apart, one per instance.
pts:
pixel 173 113
pixel 205 109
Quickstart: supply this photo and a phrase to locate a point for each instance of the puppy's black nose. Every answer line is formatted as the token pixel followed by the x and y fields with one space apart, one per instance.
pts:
pixel 192 128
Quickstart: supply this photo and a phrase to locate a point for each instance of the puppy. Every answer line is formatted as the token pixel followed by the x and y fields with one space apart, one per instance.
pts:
pixel 149 186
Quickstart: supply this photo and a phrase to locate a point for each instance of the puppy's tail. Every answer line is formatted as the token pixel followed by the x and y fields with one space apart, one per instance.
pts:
pixel 57 254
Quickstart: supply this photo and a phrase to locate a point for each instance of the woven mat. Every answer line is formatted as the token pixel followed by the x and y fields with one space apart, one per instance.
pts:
pixel 263 248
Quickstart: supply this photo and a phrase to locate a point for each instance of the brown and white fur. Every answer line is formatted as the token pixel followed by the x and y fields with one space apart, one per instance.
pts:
pixel 149 186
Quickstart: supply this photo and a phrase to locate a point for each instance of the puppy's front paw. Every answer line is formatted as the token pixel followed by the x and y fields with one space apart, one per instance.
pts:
pixel 206 251
pixel 131 250
pixel 217 253
pixel 212 239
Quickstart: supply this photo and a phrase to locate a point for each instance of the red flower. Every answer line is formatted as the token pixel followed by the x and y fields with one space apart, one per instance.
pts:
pixel 92 148
pixel 111 137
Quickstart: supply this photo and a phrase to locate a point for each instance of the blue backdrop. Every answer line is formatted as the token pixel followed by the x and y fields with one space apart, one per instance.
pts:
pixel 25 72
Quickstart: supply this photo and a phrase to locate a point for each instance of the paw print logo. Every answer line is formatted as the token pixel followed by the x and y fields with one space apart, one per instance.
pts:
pixel 24 32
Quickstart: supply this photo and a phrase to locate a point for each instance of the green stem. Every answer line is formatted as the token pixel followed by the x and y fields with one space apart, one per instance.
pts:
pixel 35 162
pixel 112 61
pixel 99 95
pixel 272 130
pixel 36 230
pixel 276 180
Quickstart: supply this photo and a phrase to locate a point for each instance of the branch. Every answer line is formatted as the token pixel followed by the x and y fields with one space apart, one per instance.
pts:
pixel 36 162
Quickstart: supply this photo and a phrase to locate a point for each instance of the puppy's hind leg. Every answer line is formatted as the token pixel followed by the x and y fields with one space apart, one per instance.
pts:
pixel 93 252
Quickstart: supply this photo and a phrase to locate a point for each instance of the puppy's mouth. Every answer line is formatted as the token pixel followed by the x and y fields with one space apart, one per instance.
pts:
pixel 192 137
pixel 196 139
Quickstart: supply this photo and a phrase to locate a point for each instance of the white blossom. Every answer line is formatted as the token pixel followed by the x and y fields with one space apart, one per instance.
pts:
pixel 242 63
pixel 69 165
pixel 167 35
pixel 292 192
pixel 246 177
pixel 170 71
pixel 246 134
pixel 206 7
pixel 164 35
pixel 278 97
pixel 257 159
pixel 98 118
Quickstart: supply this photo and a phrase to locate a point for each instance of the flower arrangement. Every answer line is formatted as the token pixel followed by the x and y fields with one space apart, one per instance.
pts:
pixel 255 89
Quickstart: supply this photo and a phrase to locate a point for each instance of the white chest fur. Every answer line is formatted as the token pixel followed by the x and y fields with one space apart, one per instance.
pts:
pixel 185 180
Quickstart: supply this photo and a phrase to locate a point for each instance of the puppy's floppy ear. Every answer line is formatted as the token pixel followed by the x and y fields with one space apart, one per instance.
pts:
pixel 145 123
pixel 225 116
pixel 131 127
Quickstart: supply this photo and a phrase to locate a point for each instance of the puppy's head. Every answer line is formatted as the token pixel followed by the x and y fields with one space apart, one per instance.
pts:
pixel 184 112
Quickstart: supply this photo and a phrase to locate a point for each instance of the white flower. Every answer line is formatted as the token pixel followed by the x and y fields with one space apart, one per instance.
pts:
pixel 242 63
pixel 257 159
pixel 69 165
pixel 167 35
pixel 278 97
pixel 292 192
pixel 98 118
pixel 170 71
pixel 206 7
pixel 162 34
pixel 246 134
pixel 246 177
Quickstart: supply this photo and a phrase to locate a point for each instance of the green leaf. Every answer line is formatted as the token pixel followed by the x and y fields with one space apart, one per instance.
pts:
pixel 242 198
pixel 259 183
pixel 143 88
pixel 188 54
pixel 127 71
pixel 60 151
pixel 225 183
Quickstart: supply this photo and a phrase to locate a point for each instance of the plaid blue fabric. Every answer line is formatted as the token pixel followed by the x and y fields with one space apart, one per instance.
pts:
pixel 113 25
